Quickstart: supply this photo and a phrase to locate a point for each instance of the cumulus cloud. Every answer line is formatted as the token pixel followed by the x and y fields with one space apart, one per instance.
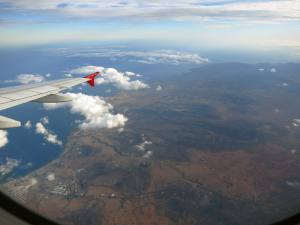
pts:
pixel 293 151
pixel 27 79
pixel 28 124
pixel 130 74
pixel 68 75
pixel 96 112
pixel 3 138
pixel 8 166
pixel 120 130
pixel 273 70
pixel 293 183
pixel 50 177
pixel 48 135
pixel 148 154
pixel 45 120
pixel 87 70
pixel 159 88
pixel 296 122
pixel 142 146
pixel 112 76
pixel 30 78
pixel 146 57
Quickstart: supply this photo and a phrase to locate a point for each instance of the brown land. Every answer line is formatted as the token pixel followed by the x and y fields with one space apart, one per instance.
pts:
pixel 220 155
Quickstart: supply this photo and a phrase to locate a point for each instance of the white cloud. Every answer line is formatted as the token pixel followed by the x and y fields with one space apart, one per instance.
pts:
pixel 51 177
pixel 169 57
pixel 148 154
pixel 261 69
pixel 112 76
pixel 87 70
pixel 27 79
pixel 146 57
pixel 130 74
pixel 3 138
pixel 45 120
pixel 9 166
pixel 285 84
pixel 68 75
pixel 30 78
pixel 176 10
pixel 293 183
pixel 48 75
pixel 120 80
pixel 96 112
pixel 142 146
pixel 49 136
pixel 158 88
pixel 28 124
pixel 293 151
pixel 273 70
pixel 296 122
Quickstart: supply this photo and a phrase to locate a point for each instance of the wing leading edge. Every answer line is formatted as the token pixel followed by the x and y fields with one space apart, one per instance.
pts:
pixel 47 92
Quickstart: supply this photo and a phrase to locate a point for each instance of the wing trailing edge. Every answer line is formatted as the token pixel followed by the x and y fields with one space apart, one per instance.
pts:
pixel 54 98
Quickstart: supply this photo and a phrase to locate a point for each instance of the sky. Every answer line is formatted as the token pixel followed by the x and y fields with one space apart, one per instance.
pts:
pixel 265 24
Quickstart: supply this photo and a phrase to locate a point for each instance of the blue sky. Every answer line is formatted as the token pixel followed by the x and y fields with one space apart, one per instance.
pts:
pixel 248 24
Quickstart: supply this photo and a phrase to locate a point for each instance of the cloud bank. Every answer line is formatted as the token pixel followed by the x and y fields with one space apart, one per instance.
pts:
pixel 112 76
pixel 146 57
pixel 174 10
pixel 96 112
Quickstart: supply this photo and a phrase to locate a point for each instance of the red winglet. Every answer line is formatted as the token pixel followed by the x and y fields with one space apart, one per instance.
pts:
pixel 91 78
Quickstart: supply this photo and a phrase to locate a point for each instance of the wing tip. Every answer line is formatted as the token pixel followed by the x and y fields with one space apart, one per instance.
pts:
pixel 91 78
pixel 6 123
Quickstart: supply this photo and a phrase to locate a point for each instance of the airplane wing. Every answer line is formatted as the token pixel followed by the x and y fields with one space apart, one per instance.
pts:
pixel 46 92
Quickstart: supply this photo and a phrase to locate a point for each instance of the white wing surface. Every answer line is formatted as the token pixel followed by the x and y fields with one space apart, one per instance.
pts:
pixel 46 92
